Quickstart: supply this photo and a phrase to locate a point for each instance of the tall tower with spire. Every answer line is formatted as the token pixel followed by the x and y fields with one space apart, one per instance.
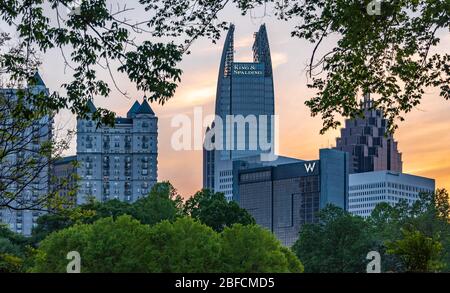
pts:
pixel 243 89
pixel 366 139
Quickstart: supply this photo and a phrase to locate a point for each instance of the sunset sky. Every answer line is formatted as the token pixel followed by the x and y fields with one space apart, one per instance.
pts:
pixel 424 138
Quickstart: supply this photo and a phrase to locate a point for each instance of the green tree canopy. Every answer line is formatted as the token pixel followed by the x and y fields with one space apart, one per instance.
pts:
pixel 12 251
pixel 252 249
pixel 107 245
pixel 339 242
pixel 418 252
pixel 163 203
pixel 425 221
pixel 386 51
pixel 214 210
pixel 184 245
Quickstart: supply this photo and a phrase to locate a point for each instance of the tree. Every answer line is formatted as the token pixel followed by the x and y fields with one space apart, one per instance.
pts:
pixel 91 36
pixel 99 210
pixel 418 252
pixel 252 249
pixel 339 242
pixel 385 51
pixel 49 223
pixel 163 203
pixel 12 251
pixel 107 245
pixel 184 246
pixel 429 216
pixel 214 210
pixel 181 246
pixel 28 149
pixel 86 213
pixel 125 245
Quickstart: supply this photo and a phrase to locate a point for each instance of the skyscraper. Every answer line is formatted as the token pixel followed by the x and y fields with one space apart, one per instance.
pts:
pixel 367 190
pixel 25 164
pixel 244 91
pixel 118 162
pixel 284 197
pixel 369 144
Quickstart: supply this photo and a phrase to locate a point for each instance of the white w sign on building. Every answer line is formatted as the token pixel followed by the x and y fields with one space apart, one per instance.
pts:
pixel 310 167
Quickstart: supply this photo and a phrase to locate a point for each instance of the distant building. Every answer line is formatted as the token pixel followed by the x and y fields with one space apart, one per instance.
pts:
pixel 366 140
pixel 366 190
pixel 118 162
pixel 243 89
pixel 64 177
pixel 33 185
pixel 283 198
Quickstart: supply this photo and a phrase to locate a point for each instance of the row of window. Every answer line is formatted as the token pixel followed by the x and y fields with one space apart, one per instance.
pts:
pixel 398 195
pixel 389 185
pixel 256 176
pixel 89 123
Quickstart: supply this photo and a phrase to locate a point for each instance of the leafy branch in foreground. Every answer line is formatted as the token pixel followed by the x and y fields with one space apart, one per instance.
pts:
pixel 388 54
pixel 91 38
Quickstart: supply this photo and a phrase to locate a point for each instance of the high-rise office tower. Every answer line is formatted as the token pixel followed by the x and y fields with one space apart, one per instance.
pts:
pixel 245 91
pixel 367 190
pixel 118 162
pixel 369 144
pixel 285 197
pixel 25 165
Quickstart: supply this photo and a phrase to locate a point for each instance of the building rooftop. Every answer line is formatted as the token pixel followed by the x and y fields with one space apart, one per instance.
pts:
pixel 145 108
pixel 65 160
pixel 133 110
pixel 91 106
pixel 38 79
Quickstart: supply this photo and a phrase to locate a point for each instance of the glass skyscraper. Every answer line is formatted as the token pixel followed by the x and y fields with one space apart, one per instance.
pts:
pixel 369 144
pixel 245 92
pixel 284 197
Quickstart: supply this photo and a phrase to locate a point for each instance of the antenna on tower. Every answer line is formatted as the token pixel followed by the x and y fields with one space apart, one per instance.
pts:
pixel 367 101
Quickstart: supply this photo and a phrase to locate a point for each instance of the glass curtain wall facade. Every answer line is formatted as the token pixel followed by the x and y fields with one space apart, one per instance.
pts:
pixel 285 197
pixel 367 141
pixel 244 91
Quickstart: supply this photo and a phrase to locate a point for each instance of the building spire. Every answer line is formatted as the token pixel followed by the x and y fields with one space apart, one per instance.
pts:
pixel 261 50
pixel 38 79
pixel 367 101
